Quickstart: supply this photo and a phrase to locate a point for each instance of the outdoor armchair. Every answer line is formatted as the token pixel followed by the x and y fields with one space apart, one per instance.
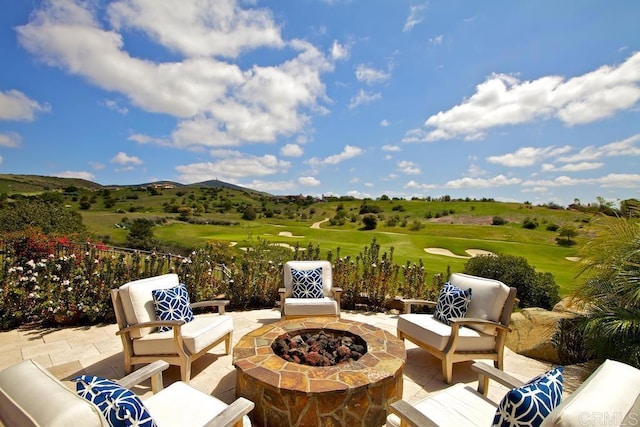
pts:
pixel 480 334
pixel 183 341
pixel 609 397
pixel 308 290
pixel 31 396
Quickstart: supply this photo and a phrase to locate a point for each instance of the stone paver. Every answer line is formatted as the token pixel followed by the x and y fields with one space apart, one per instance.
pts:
pixel 96 350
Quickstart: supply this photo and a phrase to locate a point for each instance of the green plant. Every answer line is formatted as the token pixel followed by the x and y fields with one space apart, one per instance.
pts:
pixel 611 289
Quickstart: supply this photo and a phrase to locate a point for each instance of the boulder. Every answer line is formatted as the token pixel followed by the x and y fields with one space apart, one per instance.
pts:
pixel 532 330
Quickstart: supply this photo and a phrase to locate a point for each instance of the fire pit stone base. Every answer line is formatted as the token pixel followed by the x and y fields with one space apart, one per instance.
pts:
pixel 348 394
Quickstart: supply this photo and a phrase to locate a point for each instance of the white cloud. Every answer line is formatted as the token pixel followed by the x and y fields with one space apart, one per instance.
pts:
pixel 572 167
pixel 503 100
pixel 384 123
pixel 198 29
pixel 363 97
pixel 76 174
pixel 348 152
pixel 394 148
pixel 15 105
pixel 113 105
pixel 267 186
pixel 408 167
pixel 437 40
pixel 292 150
pixel 339 51
pixel 497 181
pixel 528 156
pixel 123 158
pixel 309 181
pixel 1 160
pixel 218 103
pixel 231 166
pixel 610 180
pixel 10 140
pixel 97 166
pixel 370 75
pixel 627 147
pixel 418 186
pixel 415 17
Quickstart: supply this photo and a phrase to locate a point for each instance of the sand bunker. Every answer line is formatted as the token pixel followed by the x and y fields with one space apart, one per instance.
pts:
pixel 573 258
pixel 284 245
pixel 288 234
pixel 447 252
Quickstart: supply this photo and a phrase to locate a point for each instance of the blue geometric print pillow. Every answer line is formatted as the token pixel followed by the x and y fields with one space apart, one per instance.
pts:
pixel 307 283
pixel 172 304
pixel 452 302
pixel 530 404
pixel 120 406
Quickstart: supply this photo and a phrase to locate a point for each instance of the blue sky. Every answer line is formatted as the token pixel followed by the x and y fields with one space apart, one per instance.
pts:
pixel 533 101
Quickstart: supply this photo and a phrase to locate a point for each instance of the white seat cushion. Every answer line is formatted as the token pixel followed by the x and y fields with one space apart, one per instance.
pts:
pixel 425 328
pixel 197 334
pixel 137 300
pixel 487 297
pixel 311 306
pixel 458 405
pixel 195 407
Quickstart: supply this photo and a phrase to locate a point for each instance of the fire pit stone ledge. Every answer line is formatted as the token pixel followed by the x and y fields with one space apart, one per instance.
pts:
pixel 350 393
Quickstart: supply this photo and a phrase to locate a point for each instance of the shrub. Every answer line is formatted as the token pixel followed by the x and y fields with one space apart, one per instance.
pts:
pixel 535 289
pixel 370 221
pixel 497 220
pixel 530 223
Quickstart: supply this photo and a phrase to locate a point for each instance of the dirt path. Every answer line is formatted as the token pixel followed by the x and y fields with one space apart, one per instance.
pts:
pixel 317 224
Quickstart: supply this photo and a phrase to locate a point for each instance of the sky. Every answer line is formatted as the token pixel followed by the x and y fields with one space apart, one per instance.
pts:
pixel 535 101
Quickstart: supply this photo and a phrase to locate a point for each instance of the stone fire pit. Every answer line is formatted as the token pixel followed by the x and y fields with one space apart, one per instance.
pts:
pixel 354 393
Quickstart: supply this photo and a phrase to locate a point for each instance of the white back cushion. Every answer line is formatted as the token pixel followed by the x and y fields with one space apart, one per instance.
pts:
pixel 137 300
pixel 608 397
pixel 304 266
pixel 487 296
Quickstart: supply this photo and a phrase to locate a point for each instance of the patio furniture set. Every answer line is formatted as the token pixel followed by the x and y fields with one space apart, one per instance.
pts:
pixel 469 322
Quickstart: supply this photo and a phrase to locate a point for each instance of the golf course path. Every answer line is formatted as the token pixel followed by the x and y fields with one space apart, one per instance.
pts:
pixel 317 224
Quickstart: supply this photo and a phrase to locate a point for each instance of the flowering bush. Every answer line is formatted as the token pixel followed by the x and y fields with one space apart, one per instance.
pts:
pixel 67 283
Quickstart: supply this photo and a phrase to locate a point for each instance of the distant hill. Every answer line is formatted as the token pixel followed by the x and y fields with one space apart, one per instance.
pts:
pixel 10 183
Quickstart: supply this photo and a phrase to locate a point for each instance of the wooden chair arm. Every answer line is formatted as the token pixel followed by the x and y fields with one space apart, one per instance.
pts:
pixel 486 372
pixel 151 324
pixel 232 414
pixel 153 371
pixel 410 415
pixel 219 303
pixel 282 290
pixel 466 321
pixel 408 302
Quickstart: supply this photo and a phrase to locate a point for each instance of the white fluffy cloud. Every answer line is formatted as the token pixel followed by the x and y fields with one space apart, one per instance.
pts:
pixel 309 181
pixel 415 17
pixel 348 152
pixel 10 140
pixel 125 159
pixel 504 100
pixel 496 181
pixel 76 174
pixel 408 167
pixel 231 166
pixel 363 97
pixel 370 75
pixel 292 150
pixel 15 105
pixel 619 180
pixel 217 102
pixel 528 156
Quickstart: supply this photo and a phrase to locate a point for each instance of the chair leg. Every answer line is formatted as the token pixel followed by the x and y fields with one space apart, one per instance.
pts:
pixel 185 371
pixel 227 343
pixel 447 370
pixel 127 364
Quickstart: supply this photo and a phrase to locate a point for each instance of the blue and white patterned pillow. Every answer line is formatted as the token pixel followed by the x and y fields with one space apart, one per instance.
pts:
pixel 172 304
pixel 307 283
pixel 530 404
pixel 452 302
pixel 120 406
